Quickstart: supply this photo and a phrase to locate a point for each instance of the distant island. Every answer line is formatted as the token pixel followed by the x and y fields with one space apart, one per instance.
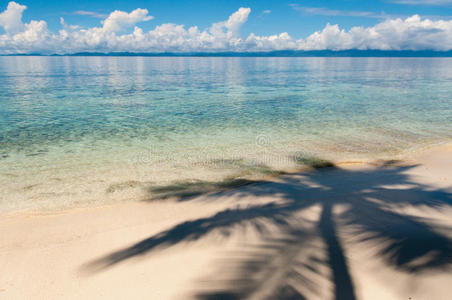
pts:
pixel 280 53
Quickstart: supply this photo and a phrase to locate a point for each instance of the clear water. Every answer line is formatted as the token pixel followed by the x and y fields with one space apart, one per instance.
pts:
pixel 83 130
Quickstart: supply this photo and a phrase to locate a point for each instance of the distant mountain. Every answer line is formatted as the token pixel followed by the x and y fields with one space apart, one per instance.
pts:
pixel 281 53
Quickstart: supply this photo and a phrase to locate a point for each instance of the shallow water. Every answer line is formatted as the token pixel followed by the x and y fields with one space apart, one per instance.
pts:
pixel 85 130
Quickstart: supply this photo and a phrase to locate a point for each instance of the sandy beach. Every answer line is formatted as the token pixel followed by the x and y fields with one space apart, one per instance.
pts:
pixel 374 231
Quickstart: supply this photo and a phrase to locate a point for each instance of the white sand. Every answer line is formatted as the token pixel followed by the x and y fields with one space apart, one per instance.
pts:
pixel 364 232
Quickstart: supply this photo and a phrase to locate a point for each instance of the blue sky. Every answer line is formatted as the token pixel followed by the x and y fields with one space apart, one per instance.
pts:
pixel 51 26
pixel 298 18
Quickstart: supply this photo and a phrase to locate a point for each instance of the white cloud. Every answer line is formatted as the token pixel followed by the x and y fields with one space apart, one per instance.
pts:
pixel 323 11
pixel 119 19
pixel 411 33
pixel 11 18
pixel 66 26
pixel 90 13
pixel 120 33
pixel 231 27
pixel 236 20
pixel 423 2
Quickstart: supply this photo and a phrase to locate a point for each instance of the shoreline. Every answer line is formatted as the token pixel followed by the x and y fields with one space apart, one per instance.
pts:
pixel 390 223
pixel 405 157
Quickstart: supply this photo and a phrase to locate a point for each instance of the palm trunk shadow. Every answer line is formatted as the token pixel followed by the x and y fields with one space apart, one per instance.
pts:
pixel 343 284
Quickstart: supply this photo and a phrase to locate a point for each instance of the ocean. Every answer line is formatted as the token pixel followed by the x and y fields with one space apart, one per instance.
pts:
pixel 78 131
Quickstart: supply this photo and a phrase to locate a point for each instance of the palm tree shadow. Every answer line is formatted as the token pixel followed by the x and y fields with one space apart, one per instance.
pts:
pixel 285 266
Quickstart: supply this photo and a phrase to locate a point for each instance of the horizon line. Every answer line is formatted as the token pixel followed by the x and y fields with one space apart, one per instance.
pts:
pixel 275 53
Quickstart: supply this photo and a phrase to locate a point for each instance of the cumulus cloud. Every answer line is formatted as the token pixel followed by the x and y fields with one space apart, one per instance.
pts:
pixel 236 20
pixel 120 32
pixel 11 18
pixel 231 27
pixel 119 19
pixel 67 26
pixel 412 33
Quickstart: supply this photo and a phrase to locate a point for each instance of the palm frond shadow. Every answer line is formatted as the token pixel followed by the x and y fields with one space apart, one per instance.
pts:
pixel 287 265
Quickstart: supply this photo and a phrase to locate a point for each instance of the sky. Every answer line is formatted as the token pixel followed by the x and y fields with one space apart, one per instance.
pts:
pixel 50 26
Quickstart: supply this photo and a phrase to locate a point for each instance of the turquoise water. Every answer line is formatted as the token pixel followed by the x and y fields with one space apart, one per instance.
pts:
pixel 82 130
